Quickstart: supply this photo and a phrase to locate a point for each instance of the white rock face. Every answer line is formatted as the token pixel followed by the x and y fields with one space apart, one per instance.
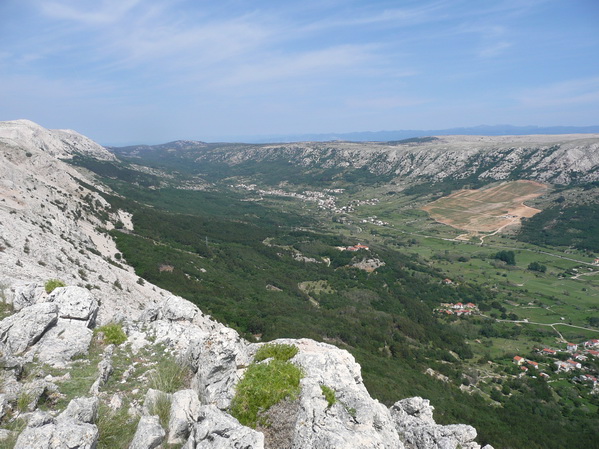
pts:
pixel 185 410
pixel 48 228
pixel 217 430
pixel 149 433
pixel 555 158
pixel 355 420
pixel 71 429
pixel 414 420
pixel 22 330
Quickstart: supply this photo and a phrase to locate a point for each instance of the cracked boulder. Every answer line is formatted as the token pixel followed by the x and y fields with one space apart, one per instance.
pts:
pixel 217 430
pixel 25 328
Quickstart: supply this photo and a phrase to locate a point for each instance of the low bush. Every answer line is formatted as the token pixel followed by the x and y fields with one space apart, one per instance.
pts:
pixel 264 385
pixel 52 284
pixel 113 333
pixel 329 395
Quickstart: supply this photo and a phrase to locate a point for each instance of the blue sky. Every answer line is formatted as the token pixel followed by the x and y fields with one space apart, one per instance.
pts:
pixel 150 71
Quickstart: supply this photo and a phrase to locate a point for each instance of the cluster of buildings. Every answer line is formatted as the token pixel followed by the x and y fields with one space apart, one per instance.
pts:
pixel 526 364
pixel 324 199
pixel 458 309
pixel 579 352
pixel 375 221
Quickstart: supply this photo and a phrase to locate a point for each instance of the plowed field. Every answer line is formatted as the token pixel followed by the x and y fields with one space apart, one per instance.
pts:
pixel 488 209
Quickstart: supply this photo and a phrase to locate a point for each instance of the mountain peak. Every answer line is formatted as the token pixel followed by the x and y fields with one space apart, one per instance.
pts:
pixel 63 144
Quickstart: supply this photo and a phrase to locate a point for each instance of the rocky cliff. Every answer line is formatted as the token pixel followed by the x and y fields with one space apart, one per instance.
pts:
pixel 111 361
pixel 558 159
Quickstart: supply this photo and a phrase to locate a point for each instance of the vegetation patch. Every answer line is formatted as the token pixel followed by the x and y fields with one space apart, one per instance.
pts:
pixel 276 351
pixel 266 384
pixel 113 333
pixel 52 284
pixel 169 375
pixel 329 395
pixel 116 428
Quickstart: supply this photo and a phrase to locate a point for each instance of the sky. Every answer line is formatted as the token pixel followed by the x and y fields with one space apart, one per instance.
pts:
pixel 152 71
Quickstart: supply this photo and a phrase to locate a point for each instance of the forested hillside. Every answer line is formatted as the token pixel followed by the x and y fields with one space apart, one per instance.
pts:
pixel 277 266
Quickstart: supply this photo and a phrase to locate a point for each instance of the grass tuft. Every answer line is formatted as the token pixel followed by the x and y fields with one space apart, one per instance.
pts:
pixel 263 386
pixel 329 395
pixel 52 284
pixel 113 333
pixel 276 351
pixel 162 408
pixel 116 428
pixel 169 375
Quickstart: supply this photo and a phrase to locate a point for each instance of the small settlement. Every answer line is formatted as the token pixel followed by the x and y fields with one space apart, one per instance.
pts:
pixel 578 353
pixel 457 309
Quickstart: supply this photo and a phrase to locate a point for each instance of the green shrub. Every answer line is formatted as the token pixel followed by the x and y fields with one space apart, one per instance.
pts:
pixel 329 395
pixel 113 333
pixel 263 386
pixel 276 351
pixel 51 284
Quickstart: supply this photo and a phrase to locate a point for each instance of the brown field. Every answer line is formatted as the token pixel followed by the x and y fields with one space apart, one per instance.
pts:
pixel 488 209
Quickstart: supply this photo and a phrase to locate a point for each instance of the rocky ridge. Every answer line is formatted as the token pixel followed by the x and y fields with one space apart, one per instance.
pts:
pixel 64 375
pixel 558 159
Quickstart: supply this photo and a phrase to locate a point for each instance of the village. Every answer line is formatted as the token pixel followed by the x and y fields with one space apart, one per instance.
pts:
pixel 324 200
pixel 457 309
pixel 575 355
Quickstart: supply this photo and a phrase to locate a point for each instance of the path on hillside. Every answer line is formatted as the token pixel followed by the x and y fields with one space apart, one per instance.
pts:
pixel 551 325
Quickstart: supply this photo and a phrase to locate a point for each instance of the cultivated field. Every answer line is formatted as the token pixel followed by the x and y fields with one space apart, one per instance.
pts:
pixel 488 209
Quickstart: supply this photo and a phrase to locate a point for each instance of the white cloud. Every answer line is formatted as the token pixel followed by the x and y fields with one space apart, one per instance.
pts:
pixel 96 13
pixel 301 65
pixel 572 92
pixel 386 103
pixel 494 49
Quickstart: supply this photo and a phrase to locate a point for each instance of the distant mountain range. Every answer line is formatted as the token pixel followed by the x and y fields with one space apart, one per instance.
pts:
pixel 386 136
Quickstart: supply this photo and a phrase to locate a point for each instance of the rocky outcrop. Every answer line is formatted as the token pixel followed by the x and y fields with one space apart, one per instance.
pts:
pixel 149 433
pixel 22 330
pixel 414 421
pixel 73 428
pixel 559 159
pixel 217 430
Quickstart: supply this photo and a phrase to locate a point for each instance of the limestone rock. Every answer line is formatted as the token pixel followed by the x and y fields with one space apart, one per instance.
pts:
pixel 69 430
pixel 217 430
pixel 175 308
pixel 355 420
pixel 63 341
pixel 185 410
pixel 75 303
pixel 149 433
pixel 27 294
pixel 218 359
pixel 414 421
pixel 104 371
pixel 25 328
pixel 84 410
